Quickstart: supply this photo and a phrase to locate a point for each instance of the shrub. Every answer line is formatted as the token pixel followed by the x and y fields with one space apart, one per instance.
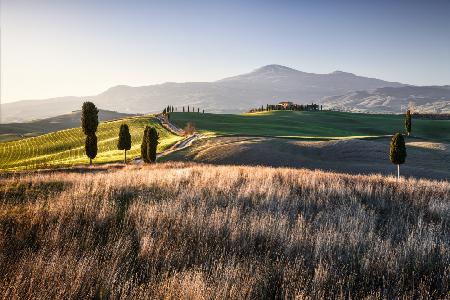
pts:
pixel 189 128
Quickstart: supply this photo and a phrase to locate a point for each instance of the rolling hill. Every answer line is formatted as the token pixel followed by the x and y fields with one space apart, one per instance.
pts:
pixel 333 141
pixel 319 125
pixel 14 131
pixel 66 147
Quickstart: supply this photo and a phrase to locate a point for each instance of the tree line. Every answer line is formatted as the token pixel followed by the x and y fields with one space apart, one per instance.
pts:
pixel 188 108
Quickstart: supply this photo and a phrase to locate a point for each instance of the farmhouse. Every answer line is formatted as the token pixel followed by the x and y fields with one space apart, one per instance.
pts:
pixel 285 104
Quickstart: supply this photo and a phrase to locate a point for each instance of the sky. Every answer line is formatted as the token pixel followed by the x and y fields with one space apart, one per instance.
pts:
pixel 53 48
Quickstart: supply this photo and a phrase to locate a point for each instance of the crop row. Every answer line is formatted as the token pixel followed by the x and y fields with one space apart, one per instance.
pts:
pixel 66 147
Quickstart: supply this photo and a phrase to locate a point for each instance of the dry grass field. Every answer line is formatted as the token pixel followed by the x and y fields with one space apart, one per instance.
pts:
pixel 183 230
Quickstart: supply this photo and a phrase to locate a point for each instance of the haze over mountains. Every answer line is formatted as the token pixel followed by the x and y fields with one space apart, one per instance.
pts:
pixel 268 84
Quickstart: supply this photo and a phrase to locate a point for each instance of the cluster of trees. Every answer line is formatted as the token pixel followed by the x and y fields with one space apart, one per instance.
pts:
pixel 89 124
pixel 397 149
pixel 295 107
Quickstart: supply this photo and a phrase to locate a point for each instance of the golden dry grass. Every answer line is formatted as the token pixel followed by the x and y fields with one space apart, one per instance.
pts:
pixel 212 232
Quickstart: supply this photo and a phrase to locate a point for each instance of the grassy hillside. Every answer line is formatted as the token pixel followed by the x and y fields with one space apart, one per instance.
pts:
pixel 322 125
pixel 15 131
pixel 182 231
pixel 66 147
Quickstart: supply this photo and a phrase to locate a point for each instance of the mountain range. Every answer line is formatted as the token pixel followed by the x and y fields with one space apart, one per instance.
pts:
pixel 268 84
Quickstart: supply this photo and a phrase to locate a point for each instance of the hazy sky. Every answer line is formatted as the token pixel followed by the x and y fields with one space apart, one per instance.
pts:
pixel 57 48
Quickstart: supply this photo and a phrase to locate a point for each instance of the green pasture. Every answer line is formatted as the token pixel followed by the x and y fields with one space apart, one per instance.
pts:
pixel 312 125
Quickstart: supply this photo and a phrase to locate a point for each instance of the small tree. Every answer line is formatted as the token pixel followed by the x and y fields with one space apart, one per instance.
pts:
pixel 408 122
pixel 90 145
pixel 89 124
pixel 144 145
pixel 183 108
pixel 189 128
pixel 124 142
pixel 397 152
pixel 153 138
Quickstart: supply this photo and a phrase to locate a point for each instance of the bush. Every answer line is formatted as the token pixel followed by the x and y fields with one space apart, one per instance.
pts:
pixel 189 128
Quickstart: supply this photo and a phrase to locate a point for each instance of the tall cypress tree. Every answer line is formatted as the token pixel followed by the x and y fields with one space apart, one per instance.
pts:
pixel 397 151
pixel 144 145
pixel 408 122
pixel 89 124
pixel 90 145
pixel 124 142
pixel 89 118
pixel 153 138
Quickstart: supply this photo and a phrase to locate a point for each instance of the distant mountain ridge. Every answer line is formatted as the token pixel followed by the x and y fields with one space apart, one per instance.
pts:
pixel 268 84
pixel 425 99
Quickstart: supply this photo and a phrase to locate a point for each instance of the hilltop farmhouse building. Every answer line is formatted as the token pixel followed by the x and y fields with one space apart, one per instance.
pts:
pixel 288 105
pixel 285 104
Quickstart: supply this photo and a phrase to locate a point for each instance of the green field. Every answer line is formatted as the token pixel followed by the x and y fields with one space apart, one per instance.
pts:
pixel 66 147
pixel 312 125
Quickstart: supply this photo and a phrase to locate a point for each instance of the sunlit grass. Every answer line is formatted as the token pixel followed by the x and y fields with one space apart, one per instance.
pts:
pixel 66 147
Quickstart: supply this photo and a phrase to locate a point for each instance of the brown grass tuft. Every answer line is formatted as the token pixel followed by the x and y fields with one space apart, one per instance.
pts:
pixel 202 232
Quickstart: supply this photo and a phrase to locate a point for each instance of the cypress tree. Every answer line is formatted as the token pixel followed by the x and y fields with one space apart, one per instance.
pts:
pixel 183 108
pixel 90 145
pixel 89 118
pixel 124 142
pixel 153 138
pixel 89 124
pixel 397 152
pixel 188 108
pixel 144 145
pixel 408 122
